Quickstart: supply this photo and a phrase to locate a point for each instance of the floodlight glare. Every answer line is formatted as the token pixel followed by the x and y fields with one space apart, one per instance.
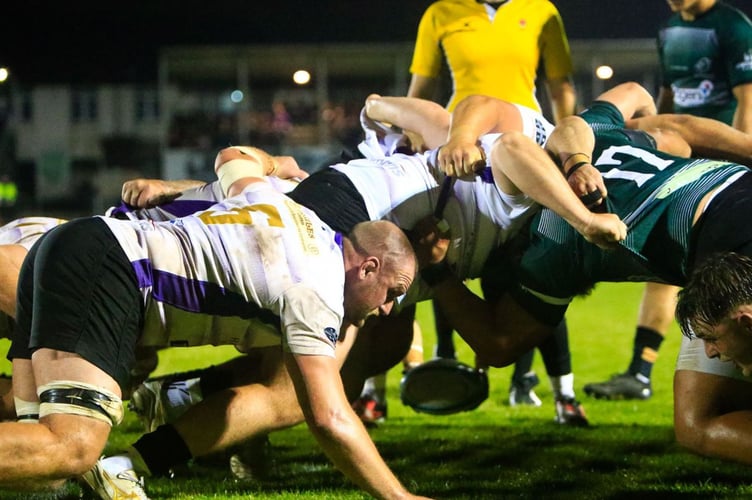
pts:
pixel 604 72
pixel 301 77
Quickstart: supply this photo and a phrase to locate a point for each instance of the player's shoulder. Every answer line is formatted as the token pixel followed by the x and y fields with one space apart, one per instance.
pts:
pixel 730 14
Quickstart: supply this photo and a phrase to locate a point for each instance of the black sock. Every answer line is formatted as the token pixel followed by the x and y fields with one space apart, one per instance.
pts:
pixel 214 379
pixel 162 449
pixel 646 344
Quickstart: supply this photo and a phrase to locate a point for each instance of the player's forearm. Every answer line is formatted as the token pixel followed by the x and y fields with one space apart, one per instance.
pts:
pixel 728 437
pixel 571 136
pixel 665 101
pixel 743 115
pixel 422 87
pixel 351 450
pixel 563 99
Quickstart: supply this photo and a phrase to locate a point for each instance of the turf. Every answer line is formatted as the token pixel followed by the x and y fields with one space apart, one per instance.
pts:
pixel 494 452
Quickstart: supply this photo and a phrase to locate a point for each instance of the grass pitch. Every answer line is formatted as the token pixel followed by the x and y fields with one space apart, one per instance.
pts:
pixel 494 452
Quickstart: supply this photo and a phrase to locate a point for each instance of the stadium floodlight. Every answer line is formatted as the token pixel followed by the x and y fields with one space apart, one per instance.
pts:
pixel 301 77
pixel 604 72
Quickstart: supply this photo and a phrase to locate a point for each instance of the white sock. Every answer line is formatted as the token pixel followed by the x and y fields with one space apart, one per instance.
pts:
pixel 376 387
pixel 563 387
pixel 116 464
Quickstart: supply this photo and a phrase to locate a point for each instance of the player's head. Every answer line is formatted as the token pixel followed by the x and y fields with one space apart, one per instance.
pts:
pixel 716 306
pixel 690 6
pixel 381 267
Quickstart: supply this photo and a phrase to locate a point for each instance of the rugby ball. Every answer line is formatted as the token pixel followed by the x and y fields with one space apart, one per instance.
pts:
pixel 443 386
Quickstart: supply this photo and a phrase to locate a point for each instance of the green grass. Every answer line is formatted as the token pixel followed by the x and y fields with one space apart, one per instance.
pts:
pixel 495 452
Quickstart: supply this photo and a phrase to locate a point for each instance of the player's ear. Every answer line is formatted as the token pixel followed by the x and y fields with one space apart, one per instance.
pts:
pixel 745 320
pixel 369 265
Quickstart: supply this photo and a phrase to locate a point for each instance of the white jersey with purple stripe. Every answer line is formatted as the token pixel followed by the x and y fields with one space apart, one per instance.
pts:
pixel 238 273
pixel 27 230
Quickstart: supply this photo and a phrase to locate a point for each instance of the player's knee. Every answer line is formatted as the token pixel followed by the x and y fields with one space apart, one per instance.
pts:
pixel 510 141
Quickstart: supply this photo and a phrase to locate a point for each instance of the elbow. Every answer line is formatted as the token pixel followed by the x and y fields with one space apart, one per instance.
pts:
pixel 690 441
pixel 691 433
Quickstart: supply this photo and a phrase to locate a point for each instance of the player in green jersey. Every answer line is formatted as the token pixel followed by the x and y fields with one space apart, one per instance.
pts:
pixel 679 211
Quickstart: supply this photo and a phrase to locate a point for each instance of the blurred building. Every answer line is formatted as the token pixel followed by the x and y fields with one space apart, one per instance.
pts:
pixel 76 144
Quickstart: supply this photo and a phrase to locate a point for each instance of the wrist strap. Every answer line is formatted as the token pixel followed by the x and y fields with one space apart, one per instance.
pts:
pixel 574 168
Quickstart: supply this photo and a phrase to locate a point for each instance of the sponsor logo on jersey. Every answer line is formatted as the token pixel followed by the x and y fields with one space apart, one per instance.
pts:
pixel 746 64
pixel 331 333
pixel 702 65
pixel 693 97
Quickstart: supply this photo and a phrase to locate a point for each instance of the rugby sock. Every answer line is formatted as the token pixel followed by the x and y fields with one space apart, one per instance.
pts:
pixel 117 464
pixel 563 386
pixel 215 379
pixel 162 449
pixel 376 387
pixel 646 344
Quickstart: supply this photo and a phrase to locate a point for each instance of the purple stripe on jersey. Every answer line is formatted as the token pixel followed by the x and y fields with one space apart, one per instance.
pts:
pixel 486 175
pixel 177 208
pixel 181 208
pixel 338 239
pixel 198 296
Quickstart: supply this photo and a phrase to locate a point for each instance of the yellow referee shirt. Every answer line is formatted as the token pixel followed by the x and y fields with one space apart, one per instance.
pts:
pixel 496 57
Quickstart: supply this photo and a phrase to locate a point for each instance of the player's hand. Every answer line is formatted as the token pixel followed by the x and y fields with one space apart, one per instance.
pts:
pixel 461 158
pixel 147 193
pixel 288 168
pixel 415 141
pixel 587 183
pixel 604 230
pixel 430 239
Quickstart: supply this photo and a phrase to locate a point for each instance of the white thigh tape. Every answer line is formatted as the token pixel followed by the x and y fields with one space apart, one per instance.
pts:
pixel 67 396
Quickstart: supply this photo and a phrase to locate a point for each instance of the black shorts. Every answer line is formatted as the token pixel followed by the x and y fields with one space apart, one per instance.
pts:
pixel 333 197
pixel 77 292
pixel 725 226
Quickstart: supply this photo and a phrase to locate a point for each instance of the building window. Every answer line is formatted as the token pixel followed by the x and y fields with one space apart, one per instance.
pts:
pixel 147 105
pixel 84 106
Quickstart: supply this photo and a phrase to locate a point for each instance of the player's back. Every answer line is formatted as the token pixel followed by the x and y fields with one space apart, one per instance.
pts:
pixel 235 260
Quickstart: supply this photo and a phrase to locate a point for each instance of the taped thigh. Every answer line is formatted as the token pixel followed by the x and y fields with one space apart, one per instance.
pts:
pixel 76 398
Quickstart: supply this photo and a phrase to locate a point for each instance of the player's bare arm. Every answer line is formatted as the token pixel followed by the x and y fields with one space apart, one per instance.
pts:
pixel 147 193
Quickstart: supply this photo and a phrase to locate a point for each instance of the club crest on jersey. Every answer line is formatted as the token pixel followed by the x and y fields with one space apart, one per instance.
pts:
pixel 331 333
pixel 746 64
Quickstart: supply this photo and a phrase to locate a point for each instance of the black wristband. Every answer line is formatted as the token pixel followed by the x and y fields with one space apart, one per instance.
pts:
pixel 574 168
pixel 435 273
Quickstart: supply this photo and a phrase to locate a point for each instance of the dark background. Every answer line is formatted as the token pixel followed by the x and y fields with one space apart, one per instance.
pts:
pixel 83 41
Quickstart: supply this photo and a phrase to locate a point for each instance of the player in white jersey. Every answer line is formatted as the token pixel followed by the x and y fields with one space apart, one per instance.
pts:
pixel 403 188
pixel 93 282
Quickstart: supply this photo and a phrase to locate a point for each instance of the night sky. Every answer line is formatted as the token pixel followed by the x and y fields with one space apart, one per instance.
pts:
pixel 118 41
